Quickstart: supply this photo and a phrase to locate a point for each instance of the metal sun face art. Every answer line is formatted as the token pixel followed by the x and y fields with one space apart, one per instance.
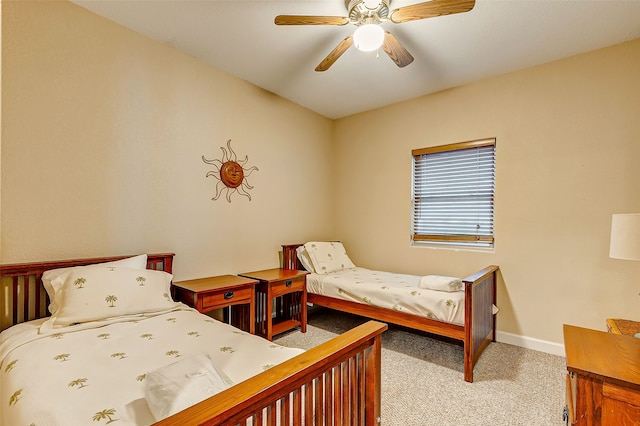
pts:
pixel 231 174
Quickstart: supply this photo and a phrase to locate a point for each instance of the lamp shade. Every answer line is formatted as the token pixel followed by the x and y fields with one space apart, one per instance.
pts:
pixel 368 37
pixel 625 236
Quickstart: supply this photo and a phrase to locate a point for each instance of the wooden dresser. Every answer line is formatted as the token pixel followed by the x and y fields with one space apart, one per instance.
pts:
pixel 603 383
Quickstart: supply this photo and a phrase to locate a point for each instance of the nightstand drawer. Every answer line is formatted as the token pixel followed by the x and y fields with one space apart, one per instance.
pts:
pixel 287 286
pixel 226 298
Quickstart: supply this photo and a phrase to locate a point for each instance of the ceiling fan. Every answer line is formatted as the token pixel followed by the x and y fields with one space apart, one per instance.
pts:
pixel 367 15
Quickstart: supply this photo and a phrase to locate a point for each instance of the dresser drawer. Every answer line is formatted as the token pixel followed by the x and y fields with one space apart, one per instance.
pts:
pixel 279 288
pixel 225 298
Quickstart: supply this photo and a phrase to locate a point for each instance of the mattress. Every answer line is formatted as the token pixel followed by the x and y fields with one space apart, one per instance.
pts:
pixel 400 292
pixel 94 373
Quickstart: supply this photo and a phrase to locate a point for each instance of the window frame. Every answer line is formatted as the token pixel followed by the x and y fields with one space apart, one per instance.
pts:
pixel 467 240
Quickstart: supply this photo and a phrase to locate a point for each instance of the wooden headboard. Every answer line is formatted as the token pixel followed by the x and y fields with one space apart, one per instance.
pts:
pixel 290 257
pixel 23 297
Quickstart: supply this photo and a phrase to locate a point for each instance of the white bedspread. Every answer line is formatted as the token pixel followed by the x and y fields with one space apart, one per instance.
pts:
pixel 94 373
pixel 400 292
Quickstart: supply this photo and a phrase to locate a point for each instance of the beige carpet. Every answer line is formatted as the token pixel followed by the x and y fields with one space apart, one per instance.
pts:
pixel 422 381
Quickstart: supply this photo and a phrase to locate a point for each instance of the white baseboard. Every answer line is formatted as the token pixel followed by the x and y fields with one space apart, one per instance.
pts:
pixel 530 343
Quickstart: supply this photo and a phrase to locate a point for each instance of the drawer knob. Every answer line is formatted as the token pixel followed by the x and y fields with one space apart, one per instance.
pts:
pixel 288 283
pixel 228 294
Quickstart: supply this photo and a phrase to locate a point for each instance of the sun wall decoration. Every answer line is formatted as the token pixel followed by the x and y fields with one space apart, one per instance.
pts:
pixel 230 173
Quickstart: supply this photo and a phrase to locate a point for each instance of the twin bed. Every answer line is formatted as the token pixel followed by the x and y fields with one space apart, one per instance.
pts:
pixel 100 340
pixel 464 310
pixel 117 348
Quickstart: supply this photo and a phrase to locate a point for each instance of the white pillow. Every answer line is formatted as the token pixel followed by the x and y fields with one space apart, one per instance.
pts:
pixel 304 258
pixel 135 262
pixel 182 384
pixel 101 292
pixel 328 257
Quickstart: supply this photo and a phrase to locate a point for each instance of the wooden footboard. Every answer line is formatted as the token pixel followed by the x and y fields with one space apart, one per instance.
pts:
pixel 479 316
pixel 336 383
pixel 479 319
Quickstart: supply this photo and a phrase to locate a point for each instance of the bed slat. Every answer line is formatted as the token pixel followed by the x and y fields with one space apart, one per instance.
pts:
pixel 328 402
pixel 339 402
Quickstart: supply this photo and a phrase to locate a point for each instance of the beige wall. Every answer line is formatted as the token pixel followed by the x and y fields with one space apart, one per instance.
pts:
pixel 103 131
pixel 568 145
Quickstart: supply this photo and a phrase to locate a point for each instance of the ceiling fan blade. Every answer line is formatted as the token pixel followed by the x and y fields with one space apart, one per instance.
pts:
pixel 431 9
pixel 310 20
pixel 396 51
pixel 335 54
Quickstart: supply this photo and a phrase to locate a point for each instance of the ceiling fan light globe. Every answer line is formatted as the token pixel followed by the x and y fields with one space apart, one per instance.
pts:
pixel 368 37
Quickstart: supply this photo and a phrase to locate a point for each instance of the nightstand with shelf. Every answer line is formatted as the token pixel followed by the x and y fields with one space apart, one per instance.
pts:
pixel 234 294
pixel 281 300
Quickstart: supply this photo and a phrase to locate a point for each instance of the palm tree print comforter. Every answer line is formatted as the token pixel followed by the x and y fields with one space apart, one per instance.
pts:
pixel 94 373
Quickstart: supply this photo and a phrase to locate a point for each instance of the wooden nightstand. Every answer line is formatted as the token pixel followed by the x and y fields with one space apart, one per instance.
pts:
pixel 603 385
pixel 224 291
pixel 624 327
pixel 281 300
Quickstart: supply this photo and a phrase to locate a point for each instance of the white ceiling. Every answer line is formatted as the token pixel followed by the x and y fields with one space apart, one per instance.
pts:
pixel 496 37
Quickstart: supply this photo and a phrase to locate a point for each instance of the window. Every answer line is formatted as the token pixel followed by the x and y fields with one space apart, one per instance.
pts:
pixel 453 192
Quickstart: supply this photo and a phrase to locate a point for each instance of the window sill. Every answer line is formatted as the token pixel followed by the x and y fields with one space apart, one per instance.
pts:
pixel 452 246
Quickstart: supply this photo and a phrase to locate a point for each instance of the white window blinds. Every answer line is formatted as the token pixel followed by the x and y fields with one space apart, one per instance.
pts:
pixel 453 193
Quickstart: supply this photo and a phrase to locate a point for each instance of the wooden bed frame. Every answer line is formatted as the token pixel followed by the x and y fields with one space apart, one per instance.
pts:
pixel 479 327
pixel 335 383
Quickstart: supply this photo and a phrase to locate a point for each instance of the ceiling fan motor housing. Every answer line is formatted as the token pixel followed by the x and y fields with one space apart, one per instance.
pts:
pixel 360 14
